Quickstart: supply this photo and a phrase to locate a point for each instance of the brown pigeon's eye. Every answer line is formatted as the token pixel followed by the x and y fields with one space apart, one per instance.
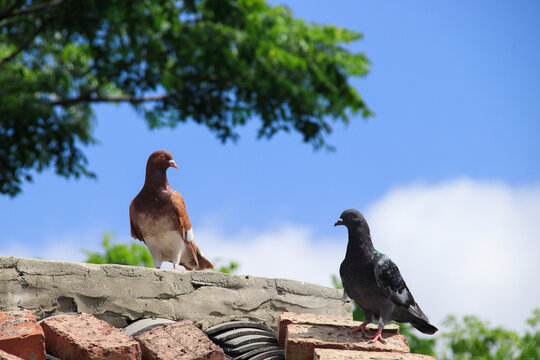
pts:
pixel 162 156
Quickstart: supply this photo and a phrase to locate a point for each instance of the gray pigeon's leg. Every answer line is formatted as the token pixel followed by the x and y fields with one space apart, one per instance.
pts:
pixel 378 335
pixel 368 315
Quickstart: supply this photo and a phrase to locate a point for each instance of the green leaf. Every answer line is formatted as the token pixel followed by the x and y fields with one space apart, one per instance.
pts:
pixel 218 63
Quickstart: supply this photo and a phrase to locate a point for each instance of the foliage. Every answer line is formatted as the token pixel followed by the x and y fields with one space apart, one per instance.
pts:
pixel 219 63
pixel 133 254
pixel 230 267
pixel 419 344
pixel 471 338
pixel 136 254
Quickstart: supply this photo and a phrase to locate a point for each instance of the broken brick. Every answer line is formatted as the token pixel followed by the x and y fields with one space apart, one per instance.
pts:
pixel 86 337
pixel 21 335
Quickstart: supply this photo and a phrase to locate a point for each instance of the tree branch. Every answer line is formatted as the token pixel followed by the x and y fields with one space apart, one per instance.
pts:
pixel 112 98
pixel 39 7
pixel 8 12
pixel 30 9
pixel 26 43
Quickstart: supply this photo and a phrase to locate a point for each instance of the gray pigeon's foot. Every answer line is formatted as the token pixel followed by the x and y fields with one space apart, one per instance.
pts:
pixel 361 328
pixel 376 337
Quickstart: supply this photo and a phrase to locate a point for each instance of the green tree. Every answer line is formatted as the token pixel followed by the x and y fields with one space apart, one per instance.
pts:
pixel 132 254
pixel 219 63
pixel 136 254
pixel 471 338
pixel 226 267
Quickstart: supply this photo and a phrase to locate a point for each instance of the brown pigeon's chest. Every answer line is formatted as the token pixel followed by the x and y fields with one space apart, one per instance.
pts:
pixel 155 215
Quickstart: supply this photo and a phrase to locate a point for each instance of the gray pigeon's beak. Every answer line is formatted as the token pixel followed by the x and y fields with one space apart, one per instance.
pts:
pixel 339 222
pixel 173 164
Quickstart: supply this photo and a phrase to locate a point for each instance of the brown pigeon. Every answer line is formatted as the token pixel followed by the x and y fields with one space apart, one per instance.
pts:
pixel 159 218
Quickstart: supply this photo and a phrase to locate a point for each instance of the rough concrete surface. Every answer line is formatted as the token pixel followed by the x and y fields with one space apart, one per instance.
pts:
pixel 121 294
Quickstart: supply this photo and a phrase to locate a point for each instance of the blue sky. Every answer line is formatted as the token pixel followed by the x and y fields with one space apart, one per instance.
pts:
pixel 455 87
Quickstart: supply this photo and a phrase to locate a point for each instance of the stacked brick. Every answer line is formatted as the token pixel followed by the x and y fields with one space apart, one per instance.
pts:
pixel 83 336
pixel 319 337
pixel 86 337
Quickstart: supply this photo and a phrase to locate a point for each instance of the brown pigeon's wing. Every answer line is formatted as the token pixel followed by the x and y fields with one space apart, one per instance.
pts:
pixel 135 231
pixel 180 208
pixel 184 225
pixel 193 258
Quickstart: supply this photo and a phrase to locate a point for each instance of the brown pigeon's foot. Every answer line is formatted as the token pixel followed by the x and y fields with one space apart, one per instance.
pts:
pixel 175 266
pixel 361 328
pixel 376 337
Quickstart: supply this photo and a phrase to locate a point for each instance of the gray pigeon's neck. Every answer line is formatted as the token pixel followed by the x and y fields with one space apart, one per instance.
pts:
pixel 360 245
pixel 156 179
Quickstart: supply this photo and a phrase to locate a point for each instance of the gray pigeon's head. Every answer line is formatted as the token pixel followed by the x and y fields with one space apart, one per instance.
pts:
pixel 351 217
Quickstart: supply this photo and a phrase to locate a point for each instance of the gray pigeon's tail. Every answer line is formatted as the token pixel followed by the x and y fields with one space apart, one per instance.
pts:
pixel 416 317
pixel 423 326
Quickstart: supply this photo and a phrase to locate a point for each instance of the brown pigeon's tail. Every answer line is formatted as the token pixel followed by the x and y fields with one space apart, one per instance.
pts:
pixel 423 326
pixel 193 259
pixel 204 263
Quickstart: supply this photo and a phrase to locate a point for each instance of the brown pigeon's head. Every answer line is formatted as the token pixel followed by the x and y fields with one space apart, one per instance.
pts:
pixel 161 160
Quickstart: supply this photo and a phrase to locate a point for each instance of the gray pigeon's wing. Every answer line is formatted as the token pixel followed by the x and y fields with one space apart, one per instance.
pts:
pixel 389 279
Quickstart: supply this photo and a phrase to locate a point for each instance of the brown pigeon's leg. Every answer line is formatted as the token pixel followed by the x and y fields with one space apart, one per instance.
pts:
pixel 376 337
pixel 174 266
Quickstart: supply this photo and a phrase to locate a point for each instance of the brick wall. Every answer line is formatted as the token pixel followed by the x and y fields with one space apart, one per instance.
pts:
pixel 319 337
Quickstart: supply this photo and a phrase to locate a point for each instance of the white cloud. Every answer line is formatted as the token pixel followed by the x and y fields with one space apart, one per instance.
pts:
pixel 290 252
pixel 463 246
pixel 65 246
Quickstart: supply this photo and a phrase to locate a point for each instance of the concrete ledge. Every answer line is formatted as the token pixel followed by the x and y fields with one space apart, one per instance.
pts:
pixel 121 294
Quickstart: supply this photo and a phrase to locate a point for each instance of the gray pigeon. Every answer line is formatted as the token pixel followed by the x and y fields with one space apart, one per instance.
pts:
pixel 373 281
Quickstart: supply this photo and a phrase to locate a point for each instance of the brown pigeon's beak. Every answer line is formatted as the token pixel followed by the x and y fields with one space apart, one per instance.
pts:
pixel 173 164
pixel 339 222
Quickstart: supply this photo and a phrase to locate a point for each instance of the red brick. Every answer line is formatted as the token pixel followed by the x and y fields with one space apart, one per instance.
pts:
pixel 86 337
pixel 287 318
pixel 332 354
pixel 5 356
pixel 21 335
pixel 179 341
pixel 301 340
